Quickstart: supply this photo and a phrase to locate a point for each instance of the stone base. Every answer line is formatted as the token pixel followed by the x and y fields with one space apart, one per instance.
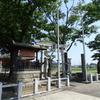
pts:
pixel 26 75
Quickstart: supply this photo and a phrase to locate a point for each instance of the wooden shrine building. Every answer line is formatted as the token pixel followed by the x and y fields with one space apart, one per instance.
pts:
pixel 28 66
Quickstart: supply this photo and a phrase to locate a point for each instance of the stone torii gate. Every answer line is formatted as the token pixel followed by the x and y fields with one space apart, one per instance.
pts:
pixel 53 46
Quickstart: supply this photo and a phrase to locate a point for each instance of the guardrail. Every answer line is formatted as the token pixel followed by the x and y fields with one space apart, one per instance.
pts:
pixel 94 77
pixel 35 83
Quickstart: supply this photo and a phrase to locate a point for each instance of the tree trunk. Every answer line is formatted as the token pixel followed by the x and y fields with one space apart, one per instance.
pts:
pixel 49 70
pixel 13 61
pixel 98 66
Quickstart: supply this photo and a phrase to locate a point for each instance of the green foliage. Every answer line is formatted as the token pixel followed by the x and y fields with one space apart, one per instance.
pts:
pixel 91 15
pixel 95 46
pixel 21 21
pixel 71 30
pixel 92 12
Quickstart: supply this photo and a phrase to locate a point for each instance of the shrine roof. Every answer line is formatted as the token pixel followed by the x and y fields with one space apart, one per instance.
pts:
pixel 29 46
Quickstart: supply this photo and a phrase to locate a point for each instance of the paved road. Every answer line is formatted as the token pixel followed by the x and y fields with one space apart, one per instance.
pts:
pixel 77 91
pixel 66 95
pixel 88 89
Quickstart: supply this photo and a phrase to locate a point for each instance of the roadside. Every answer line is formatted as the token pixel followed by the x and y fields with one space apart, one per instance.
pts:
pixel 77 91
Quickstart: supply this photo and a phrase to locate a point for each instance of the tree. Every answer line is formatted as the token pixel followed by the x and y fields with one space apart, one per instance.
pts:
pixel 20 21
pixel 95 46
pixel 92 15
pixel 71 30
pixel 92 12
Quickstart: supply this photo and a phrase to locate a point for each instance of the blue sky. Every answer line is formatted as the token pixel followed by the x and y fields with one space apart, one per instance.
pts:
pixel 76 51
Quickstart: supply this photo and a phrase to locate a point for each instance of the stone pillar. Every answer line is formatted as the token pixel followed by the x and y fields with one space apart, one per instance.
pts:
pixel 36 56
pixel 0 91
pixel 83 67
pixel 46 67
pixel 63 62
pixel 98 66
pixel 42 65
pixel 70 69
pixel 90 78
pixel 66 61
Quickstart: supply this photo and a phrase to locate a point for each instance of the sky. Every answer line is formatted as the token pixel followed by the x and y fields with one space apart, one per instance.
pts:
pixel 76 51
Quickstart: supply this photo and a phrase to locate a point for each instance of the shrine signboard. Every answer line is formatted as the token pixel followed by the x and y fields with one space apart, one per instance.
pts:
pixel 25 52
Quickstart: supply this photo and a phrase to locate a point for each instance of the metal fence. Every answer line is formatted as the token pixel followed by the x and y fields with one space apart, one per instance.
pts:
pixel 35 83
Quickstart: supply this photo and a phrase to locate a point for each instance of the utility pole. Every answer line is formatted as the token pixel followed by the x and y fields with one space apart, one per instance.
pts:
pixel 84 55
pixel 58 43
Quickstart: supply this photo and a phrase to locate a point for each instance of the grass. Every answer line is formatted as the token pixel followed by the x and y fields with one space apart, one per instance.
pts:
pixel 88 69
pixel 78 69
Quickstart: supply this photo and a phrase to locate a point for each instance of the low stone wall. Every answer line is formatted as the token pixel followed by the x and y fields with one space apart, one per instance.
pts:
pixel 26 75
